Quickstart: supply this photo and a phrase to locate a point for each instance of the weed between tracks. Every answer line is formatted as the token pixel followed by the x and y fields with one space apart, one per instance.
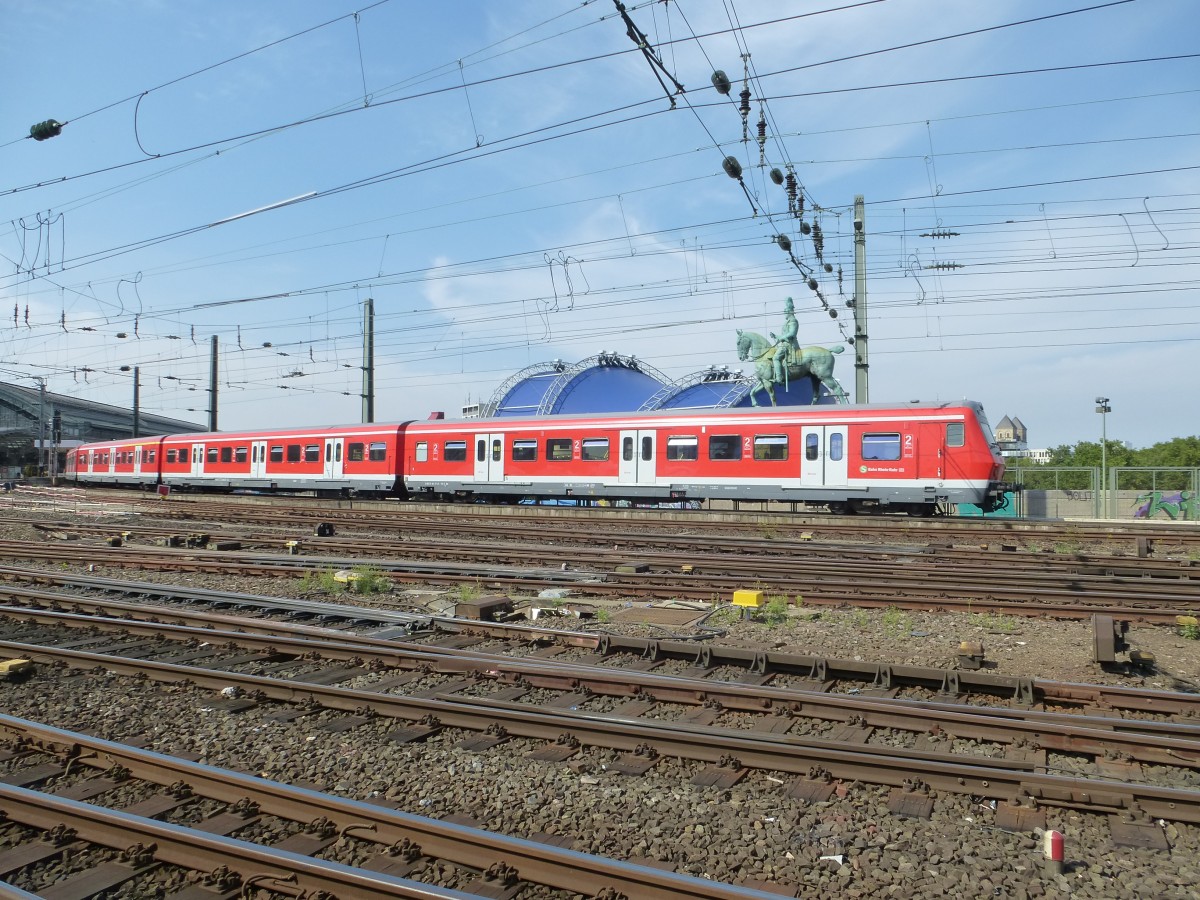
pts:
pixel 359 580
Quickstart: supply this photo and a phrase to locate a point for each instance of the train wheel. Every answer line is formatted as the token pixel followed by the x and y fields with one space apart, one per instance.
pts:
pixel 841 508
pixel 921 510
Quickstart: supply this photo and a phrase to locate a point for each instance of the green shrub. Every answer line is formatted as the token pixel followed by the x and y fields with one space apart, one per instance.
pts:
pixel 774 611
pixel 368 580
pixel 896 621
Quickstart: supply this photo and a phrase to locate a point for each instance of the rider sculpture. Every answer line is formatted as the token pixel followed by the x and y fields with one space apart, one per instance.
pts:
pixel 785 344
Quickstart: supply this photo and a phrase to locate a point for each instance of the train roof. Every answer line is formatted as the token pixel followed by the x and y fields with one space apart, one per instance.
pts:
pixel 822 410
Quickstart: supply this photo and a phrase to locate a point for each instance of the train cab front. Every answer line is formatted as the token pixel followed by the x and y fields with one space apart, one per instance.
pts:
pixel 999 493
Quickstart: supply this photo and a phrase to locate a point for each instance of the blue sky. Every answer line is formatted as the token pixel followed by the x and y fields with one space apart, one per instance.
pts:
pixel 511 185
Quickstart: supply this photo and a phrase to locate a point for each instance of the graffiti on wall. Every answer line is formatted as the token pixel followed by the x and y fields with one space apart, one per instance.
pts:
pixel 1180 505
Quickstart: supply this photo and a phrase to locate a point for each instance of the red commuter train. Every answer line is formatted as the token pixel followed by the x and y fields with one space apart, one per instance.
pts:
pixel 910 458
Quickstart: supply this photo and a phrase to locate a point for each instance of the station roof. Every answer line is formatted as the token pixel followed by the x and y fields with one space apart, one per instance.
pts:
pixel 82 420
pixel 607 382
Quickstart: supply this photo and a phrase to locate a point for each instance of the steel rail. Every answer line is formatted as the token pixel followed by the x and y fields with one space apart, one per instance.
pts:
pixel 705 655
pixel 1010 781
pixel 197 851
pixel 920 593
pixel 535 862
pixel 465 515
pixel 660 543
pixel 1162 743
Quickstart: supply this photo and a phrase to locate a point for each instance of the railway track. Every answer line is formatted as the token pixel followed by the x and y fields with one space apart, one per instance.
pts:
pixel 1000 582
pixel 809 738
pixel 85 601
pixel 48 788
pixel 545 522
pixel 775 728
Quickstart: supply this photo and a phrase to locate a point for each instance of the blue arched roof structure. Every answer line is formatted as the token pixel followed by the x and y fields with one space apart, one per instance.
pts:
pixel 607 382
pixel 718 388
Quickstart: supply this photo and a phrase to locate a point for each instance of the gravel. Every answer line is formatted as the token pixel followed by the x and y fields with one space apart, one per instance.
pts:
pixel 851 846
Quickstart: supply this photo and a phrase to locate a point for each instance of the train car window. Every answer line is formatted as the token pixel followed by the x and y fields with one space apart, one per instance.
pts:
pixel 497 446
pixel 455 451
pixel 226 454
pixel 956 434
pixel 337 452
pixel 524 451
pixel 558 448
pixel 595 448
pixel 422 451
pixel 837 446
pixel 480 450
pixel 647 448
pixel 770 446
pixel 683 446
pixel 293 453
pixel 812 446
pixel 355 453
pixel 329 453
pixel 881 446
pixel 627 449
pixel 312 452
pixel 150 455
pixel 170 456
pixel 212 454
pixel 378 451
pixel 725 446
pixel 240 454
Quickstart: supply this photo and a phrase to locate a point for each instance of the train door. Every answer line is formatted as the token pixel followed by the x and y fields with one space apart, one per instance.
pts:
pixel 333 457
pixel 489 457
pixel 258 459
pixel 197 459
pixel 137 460
pixel 824 458
pixel 637 458
pixel 929 450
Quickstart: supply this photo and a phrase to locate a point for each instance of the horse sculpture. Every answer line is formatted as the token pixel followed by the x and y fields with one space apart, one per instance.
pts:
pixel 816 362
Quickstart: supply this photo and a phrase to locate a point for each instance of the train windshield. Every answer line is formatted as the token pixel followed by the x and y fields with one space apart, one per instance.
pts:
pixel 981 416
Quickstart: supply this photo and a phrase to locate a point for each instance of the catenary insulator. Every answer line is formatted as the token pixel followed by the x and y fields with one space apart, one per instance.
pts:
pixel 721 82
pixel 805 228
pixel 43 130
pixel 828 267
pixel 812 284
pixel 777 176
pixel 732 167
pixel 785 242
